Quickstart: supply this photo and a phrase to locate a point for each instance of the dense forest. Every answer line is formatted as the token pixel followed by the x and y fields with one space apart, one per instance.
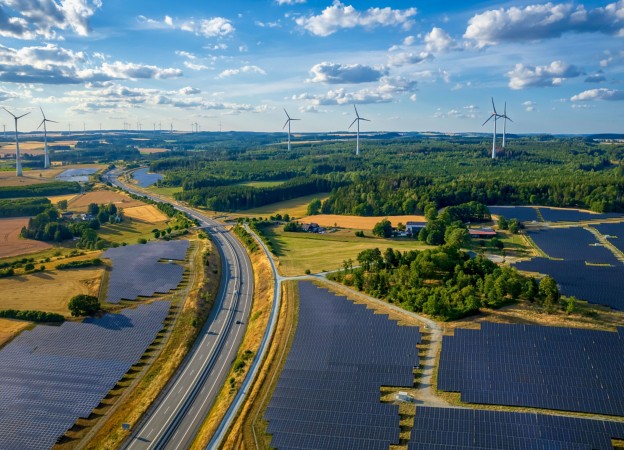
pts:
pixel 24 206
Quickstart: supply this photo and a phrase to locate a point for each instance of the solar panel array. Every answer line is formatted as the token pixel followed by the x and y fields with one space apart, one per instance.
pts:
pixel 52 375
pixel 567 369
pixel 328 394
pixel 600 285
pixel 572 244
pixel 615 231
pixel 522 213
pixel 146 178
pixel 572 215
pixel 138 272
pixel 466 429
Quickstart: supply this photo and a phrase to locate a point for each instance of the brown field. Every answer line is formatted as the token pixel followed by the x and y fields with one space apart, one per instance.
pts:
pixel 357 222
pixel 10 328
pixel 10 242
pixel 57 198
pixel 31 147
pixel 145 213
pixel 48 291
pixel 81 202
pixel 150 150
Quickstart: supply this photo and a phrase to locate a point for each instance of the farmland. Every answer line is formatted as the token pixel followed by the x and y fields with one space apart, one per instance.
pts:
pixel 298 252
pixel 38 176
pixel 10 242
pixel 10 328
pixel 48 291
pixel 152 150
pixel 145 213
pixel 357 222
pixel 296 207
pixel 81 202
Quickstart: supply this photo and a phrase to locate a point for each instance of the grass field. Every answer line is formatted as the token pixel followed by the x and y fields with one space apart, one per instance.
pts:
pixel 165 191
pixel 358 222
pixel 129 231
pixel 37 176
pixel 10 328
pixel 320 252
pixel 48 291
pixel 145 213
pixel 296 207
pixel 10 242
pixel 262 184
pixel 104 196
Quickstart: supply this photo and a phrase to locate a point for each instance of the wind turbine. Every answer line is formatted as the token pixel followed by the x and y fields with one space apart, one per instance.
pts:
pixel 496 116
pixel 357 138
pixel 18 157
pixel 505 119
pixel 46 164
pixel 288 120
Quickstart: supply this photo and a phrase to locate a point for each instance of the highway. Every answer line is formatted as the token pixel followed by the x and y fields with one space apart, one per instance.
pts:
pixel 176 416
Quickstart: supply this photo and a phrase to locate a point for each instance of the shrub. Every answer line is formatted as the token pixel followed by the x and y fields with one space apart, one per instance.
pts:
pixel 83 305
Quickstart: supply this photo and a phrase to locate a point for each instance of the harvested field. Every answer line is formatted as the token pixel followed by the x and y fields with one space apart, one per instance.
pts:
pixel 150 150
pixel 48 291
pixel 357 222
pixel 10 328
pixel 145 213
pixel 32 147
pixel 81 202
pixel 296 207
pixel 35 176
pixel 57 198
pixel 10 242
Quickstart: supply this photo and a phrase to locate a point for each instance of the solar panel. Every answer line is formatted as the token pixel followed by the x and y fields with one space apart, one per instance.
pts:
pixel 572 244
pixel 543 367
pixel 464 429
pixel 522 213
pixel 615 233
pixel 573 215
pixel 328 394
pixel 52 375
pixel 137 271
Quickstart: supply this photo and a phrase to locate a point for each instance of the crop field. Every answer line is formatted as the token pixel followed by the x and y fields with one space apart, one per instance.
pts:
pixel 57 198
pixel 48 291
pixel 523 365
pixel 145 213
pixel 297 207
pixel 358 222
pixel 151 150
pixel 9 328
pixel 81 202
pixel 298 252
pixel 10 242
pixel 602 285
pixel 572 244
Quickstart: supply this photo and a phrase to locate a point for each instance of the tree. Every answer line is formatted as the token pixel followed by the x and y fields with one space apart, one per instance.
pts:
pixel 502 223
pixel 514 226
pixel 431 212
pixel 383 228
pixel 314 207
pixel 549 292
pixel 93 209
pixel 62 204
pixel 83 305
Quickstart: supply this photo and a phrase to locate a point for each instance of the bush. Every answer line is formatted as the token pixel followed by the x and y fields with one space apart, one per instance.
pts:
pixel 359 233
pixel 32 316
pixel 78 264
pixel 83 305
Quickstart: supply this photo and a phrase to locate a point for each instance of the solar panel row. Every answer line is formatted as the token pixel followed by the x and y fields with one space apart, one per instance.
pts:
pixel 522 213
pixel 137 271
pixel 52 375
pixel 464 429
pixel 543 367
pixel 615 231
pixel 328 394
pixel 572 244
pixel 530 214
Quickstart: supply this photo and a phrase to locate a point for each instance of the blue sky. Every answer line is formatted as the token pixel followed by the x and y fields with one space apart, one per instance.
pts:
pixel 409 66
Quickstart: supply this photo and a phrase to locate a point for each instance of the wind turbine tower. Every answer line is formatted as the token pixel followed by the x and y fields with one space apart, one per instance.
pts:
pixel 288 120
pixel 505 119
pixel 18 157
pixel 46 164
pixel 357 136
pixel 494 115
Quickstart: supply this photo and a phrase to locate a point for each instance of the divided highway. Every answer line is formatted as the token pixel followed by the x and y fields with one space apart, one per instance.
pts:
pixel 175 418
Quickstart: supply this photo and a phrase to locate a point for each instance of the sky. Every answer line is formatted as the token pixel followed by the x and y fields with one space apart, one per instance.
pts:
pixel 236 65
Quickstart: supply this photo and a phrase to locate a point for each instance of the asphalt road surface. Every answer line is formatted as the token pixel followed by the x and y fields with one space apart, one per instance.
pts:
pixel 175 418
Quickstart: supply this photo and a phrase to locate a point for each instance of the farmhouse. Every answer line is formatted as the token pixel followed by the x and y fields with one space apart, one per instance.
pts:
pixel 312 228
pixel 414 227
pixel 483 233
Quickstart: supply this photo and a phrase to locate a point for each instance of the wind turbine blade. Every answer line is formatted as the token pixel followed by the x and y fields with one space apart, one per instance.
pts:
pixel 493 107
pixel 286 124
pixel 53 121
pixel 9 111
pixel 42 113
pixel 286 113
pixel 22 115
pixel 41 124
pixel 295 119
pixel 356 112
pixel 508 119
pixel 488 119
pixel 354 120
pixel 362 118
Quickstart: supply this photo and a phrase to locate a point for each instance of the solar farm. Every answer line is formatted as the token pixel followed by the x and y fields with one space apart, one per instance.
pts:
pixel 138 270
pixel 52 375
pixel 614 232
pixel 572 244
pixel 465 429
pixel 522 213
pixel 328 393
pixel 568 369
pixel 546 214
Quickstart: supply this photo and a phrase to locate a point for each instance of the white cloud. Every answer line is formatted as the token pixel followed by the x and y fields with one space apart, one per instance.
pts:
pixel 529 105
pixel 466 112
pixel 188 90
pixel 338 16
pixel 523 76
pixel 409 40
pixel 543 21
pixel 331 73
pixel 33 19
pixel 120 70
pixel 599 94
pixel 597 77
pixel 245 69
pixel 213 27
pixel 438 40
pixel 290 2
pixel 400 59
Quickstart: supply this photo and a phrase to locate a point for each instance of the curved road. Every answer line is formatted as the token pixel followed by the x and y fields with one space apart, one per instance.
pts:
pixel 178 413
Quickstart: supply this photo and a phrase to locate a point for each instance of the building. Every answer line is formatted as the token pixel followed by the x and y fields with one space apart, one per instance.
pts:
pixel 414 227
pixel 482 233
